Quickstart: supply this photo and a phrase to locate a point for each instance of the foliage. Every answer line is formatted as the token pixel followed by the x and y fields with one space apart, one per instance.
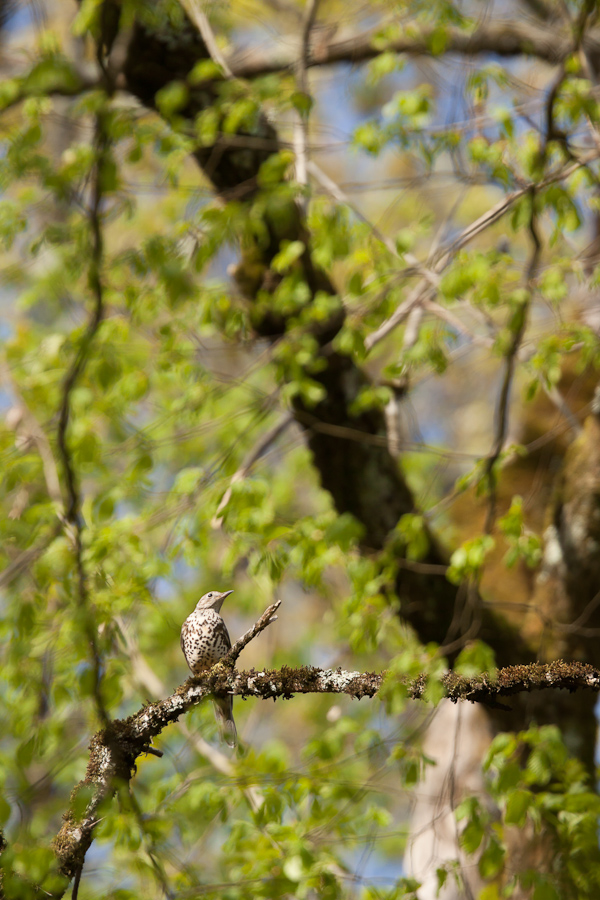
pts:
pixel 131 480
pixel 545 799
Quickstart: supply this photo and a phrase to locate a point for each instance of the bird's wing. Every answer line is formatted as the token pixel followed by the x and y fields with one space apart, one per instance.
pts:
pixel 226 637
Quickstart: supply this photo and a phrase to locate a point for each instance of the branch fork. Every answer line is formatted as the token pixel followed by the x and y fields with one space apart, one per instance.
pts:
pixel 114 750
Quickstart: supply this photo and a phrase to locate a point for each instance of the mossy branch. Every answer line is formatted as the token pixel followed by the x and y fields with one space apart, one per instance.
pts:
pixel 114 750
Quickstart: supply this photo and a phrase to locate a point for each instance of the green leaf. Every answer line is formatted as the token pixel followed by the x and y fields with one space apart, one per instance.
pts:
pixel 302 103
pixel 492 860
pixel 87 18
pixel 544 890
pixel 187 480
pixel 172 98
pixel 205 70
pixel 52 74
pixel 10 91
pixel 5 810
pixel 490 892
pixel 475 659
pixel 472 835
pixel 468 560
pixel 287 256
pixel 370 137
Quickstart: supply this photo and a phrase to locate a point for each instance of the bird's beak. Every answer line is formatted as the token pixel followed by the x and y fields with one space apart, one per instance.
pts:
pixel 225 594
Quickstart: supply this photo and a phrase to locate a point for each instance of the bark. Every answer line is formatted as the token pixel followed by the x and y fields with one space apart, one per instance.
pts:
pixel 570 583
pixel 566 599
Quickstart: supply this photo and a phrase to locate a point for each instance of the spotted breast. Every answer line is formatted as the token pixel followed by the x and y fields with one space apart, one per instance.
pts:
pixel 204 640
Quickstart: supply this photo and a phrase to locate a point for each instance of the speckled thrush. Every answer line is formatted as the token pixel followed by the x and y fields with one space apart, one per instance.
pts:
pixel 204 640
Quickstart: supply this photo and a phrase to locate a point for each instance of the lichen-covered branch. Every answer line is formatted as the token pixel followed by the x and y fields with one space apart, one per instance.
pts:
pixel 285 682
pixel 558 675
pixel 114 750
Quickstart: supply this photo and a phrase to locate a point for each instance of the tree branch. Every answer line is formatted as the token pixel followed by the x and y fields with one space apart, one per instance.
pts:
pixel 26 558
pixel 541 9
pixel 114 750
pixel 302 115
pixel 253 455
pixel 424 290
pixel 504 38
pixel 198 17
pixel 72 505
pixel 266 619
pixel 518 325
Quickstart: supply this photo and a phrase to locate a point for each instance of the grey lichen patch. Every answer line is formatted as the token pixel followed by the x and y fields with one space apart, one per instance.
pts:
pixel 365 684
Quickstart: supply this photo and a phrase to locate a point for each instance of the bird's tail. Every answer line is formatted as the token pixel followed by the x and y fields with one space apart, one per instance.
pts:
pixel 224 717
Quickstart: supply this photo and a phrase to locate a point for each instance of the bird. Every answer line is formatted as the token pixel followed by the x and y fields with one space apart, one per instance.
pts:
pixel 204 640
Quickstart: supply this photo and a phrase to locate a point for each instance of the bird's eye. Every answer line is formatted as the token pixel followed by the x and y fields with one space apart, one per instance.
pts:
pixel 210 595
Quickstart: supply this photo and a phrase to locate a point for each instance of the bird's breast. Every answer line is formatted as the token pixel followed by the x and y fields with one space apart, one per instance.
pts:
pixel 204 640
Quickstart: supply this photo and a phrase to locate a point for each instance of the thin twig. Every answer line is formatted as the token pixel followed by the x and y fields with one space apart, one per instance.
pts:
pixel 509 371
pixel 424 290
pixel 336 192
pixel 420 292
pixel 266 619
pixel 29 427
pixel 253 456
pixel 555 396
pixel 197 16
pixel 301 120
pixel 541 9
pixel 25 559
pixel 446 315
pixel 76 881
